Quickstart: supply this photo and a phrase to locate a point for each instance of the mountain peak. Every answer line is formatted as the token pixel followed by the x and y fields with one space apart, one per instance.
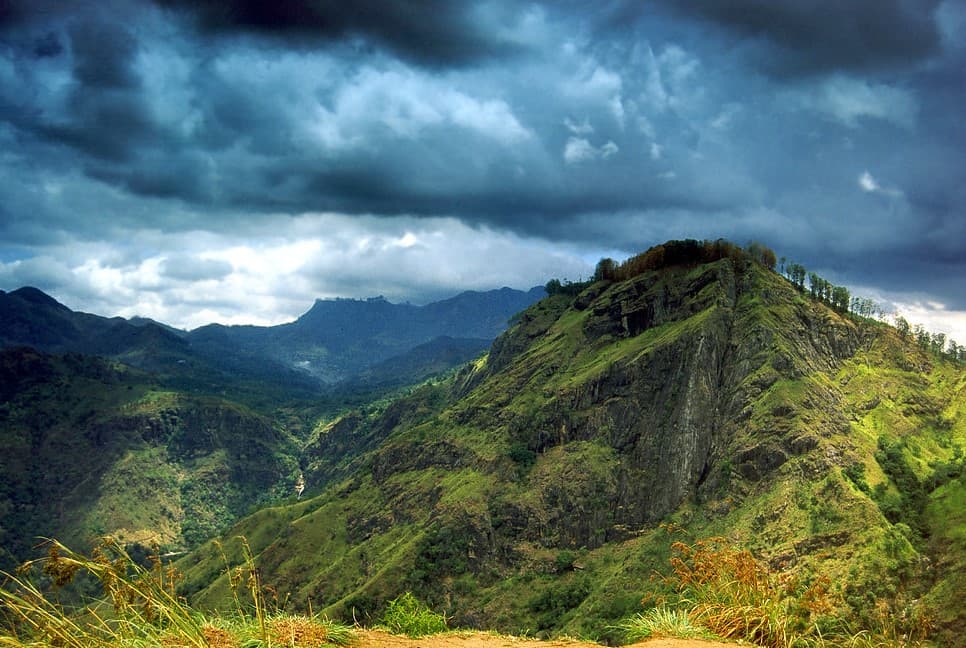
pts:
pixel 36 296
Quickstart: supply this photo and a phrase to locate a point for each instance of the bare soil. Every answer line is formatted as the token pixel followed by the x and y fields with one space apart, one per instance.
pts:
pixel 378 639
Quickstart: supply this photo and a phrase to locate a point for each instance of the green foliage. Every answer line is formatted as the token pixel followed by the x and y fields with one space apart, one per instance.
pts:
pixel 565 560
pixel 662 622
pixel 559 598
pixel 606 270
pixel 407 615
pixel 556 287
pixel 856 474
pixel 907 503
pixel 556 431
pixel 761 254
pixel 521 454
pixel 442 551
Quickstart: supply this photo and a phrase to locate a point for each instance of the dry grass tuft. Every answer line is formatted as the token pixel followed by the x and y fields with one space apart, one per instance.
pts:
pixel 297 632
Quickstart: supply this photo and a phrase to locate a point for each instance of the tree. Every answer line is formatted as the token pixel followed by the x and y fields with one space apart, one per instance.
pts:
pixel 938 342
pixel 813 285
pixel 953 350
pixel 923 339
pixel 840 299
pixel 796 274
pixel 902 327
pixel 606 270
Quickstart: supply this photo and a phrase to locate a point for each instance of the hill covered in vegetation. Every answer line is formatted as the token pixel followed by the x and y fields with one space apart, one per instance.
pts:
pixel 535 490
pixel 93 447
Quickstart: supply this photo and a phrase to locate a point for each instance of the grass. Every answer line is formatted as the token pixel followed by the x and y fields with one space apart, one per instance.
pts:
pixel 407 615
pixel 137 606
pixel 660 622
pixel 728 593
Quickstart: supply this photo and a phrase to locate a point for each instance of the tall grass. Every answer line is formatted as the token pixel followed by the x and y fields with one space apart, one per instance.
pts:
pixel 662 622
pixel 733 595
pixel 407 615
pixel 138 606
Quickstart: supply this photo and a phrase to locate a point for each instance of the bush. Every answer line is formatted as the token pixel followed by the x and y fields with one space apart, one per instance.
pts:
pixel 407 615
pixel 662 622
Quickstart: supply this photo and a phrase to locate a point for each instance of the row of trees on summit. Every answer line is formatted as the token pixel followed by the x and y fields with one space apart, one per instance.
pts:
pixel 838 298
pixel 693 252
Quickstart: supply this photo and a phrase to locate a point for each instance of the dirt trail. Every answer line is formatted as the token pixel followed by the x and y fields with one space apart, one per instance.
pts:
pixel 377 639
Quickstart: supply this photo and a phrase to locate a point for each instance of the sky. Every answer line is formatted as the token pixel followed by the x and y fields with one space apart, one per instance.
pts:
pixel 199 161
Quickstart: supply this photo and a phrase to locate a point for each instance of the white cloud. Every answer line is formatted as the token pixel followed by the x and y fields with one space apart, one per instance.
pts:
pixel 867 182
pixel 579 150
pixel 594 85
pixel 272 275
pixel 669 78
pixel 406 103
pixel 655 151
pixel 579 128
pixel 934 317
pixel 849 101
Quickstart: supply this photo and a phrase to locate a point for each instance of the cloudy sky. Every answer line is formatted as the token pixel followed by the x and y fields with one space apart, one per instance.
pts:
pixel 203 160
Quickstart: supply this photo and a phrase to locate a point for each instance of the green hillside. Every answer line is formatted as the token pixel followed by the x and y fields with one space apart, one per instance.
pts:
pixel 93 447
pixel 527 493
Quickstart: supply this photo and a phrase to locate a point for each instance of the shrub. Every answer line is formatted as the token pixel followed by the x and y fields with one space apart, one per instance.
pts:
pixel 662 622
pixel 407 615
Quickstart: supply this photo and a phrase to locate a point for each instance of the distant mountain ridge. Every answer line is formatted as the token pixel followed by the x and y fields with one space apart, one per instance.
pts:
pixel 335 340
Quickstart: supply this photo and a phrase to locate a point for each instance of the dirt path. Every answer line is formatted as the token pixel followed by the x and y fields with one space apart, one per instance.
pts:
pixel 377 639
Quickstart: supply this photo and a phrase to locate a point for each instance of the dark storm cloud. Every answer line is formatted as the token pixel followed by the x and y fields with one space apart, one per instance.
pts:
pixel 824 35
pixel 430 32
pixel 48 46
pixel 104 54
pixel 101 111
pixel 611 126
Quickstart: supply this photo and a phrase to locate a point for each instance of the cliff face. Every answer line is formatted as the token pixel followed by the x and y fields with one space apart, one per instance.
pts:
pixel 666 370
pixel 713 395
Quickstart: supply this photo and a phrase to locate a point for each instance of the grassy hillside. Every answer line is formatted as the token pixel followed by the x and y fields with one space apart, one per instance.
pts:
pixel 93 447
pixel 526 493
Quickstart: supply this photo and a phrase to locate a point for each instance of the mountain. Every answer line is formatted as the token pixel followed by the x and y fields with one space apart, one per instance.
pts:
pixel 336 340
pixel 152 434
pixel 94 447
pixel 30 318
pixel 339 339
pixel 432 358
pixel 696 393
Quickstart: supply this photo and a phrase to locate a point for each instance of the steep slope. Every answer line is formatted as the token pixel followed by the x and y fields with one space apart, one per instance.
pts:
pixel 92 447
pixel 526 492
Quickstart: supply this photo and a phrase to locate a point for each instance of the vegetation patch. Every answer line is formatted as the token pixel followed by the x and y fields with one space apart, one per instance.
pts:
pixel 407 615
